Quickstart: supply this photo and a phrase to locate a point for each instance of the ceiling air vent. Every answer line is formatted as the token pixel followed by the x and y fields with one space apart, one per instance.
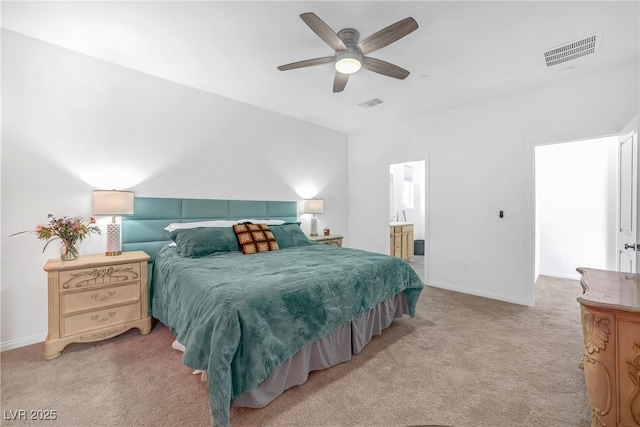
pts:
pixel 371 103
pixel 572 50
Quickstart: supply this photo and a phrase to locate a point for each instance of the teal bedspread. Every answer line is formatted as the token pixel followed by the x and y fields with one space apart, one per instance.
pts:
pixel 239 316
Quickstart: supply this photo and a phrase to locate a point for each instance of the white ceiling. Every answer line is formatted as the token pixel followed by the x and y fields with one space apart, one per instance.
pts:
pixel 461 53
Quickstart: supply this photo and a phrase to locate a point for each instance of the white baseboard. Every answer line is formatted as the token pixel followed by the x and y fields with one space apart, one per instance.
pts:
pixel 21 342
pixel 572 276
pixel 475 292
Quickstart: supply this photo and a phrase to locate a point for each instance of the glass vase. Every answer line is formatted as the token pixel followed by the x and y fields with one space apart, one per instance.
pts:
pixel 68 251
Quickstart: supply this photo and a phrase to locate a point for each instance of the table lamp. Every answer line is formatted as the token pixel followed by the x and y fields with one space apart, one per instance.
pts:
pixel 114 203
pixel 313 206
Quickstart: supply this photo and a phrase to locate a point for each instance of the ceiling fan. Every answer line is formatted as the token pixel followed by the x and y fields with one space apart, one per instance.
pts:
pixel 350 55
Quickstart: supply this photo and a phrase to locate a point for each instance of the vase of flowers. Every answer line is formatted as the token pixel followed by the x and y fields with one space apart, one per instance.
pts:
pixel 69 230
pixel 68 251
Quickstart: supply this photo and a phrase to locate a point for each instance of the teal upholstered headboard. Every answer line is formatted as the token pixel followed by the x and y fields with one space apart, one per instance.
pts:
pixel 144 230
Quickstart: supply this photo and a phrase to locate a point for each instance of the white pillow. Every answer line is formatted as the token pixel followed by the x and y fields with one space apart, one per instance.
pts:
pixel 220 223
pixel 216 223
pixel 262 221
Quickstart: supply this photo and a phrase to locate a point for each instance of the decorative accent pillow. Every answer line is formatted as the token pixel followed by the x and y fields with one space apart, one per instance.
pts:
pixel 201 241
pixel 289 235
pixel 254 238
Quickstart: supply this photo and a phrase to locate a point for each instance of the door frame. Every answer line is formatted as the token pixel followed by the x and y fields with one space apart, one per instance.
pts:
pixel 629 131
pixel 427 209
pixel 632 126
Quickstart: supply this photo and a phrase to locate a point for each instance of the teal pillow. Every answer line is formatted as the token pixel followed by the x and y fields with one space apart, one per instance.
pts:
pixel 201 241
pixel 289 235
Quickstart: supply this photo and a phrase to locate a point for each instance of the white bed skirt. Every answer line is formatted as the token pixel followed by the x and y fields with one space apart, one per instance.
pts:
pixel 336 347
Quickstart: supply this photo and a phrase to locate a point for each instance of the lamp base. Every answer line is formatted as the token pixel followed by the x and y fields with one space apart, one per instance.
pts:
pixel 314 227
pixel 114 246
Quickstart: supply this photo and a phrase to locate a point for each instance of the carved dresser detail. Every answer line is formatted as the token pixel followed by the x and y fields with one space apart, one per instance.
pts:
pixel 96 297
pixel 610 310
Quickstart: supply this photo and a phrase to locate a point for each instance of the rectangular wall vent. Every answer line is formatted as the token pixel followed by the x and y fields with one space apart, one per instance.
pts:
pixel 371 103
pixel 572 50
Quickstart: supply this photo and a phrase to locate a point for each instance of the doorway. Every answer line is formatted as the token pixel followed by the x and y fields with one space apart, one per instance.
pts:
pixel 576 190
pixel 408 198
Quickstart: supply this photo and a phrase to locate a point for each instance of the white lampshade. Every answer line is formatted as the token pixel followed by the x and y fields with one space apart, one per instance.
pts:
pixel 313 206
pixel 112 202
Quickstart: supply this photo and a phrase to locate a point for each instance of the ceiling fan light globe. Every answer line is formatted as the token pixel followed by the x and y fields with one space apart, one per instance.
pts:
pixel 348 65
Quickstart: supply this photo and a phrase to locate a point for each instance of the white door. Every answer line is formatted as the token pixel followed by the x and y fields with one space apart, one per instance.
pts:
pixel 628 239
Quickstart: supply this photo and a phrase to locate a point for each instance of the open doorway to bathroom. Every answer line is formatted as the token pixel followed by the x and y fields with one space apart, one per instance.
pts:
pixel 408 231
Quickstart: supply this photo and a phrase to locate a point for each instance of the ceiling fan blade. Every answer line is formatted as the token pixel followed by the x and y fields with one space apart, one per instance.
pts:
pixel 307 63
pixel 388 35
pixel 385 68
pixel 323 31
pixel 340 81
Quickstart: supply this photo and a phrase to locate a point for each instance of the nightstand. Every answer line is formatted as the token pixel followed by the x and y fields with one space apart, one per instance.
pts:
pixel 96 297
pixel 332 240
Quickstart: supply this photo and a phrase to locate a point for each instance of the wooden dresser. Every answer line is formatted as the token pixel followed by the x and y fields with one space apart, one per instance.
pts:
pixel 96 297
pixel 401 240
pixel 610 309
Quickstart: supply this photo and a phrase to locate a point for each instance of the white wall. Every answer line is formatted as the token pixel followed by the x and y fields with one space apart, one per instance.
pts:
pixel 576 202
pixel 71 124
pixel 481 162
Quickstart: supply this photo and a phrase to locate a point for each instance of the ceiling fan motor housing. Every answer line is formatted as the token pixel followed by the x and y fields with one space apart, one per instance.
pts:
pixel 349 37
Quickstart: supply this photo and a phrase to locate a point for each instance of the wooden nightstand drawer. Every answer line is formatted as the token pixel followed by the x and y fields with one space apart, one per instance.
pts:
pixel 96 276
pixel 99 297
pixel 331 240
pixel 90 320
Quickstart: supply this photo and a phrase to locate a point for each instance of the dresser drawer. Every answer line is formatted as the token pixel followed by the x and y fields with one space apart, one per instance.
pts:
pixel 99 297
pixel 91 320
pixel 96 276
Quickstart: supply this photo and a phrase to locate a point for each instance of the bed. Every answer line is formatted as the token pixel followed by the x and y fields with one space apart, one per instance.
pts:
pixel 259 323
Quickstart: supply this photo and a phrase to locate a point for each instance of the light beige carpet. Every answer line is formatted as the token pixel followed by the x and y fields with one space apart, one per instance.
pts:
pixel 463 361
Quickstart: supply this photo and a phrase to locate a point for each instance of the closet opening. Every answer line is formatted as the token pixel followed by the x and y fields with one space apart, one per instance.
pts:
pixel 576 186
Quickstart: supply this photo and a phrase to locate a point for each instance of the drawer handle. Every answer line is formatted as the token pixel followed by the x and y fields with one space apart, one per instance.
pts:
pixel 97 296
pixel 97 318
